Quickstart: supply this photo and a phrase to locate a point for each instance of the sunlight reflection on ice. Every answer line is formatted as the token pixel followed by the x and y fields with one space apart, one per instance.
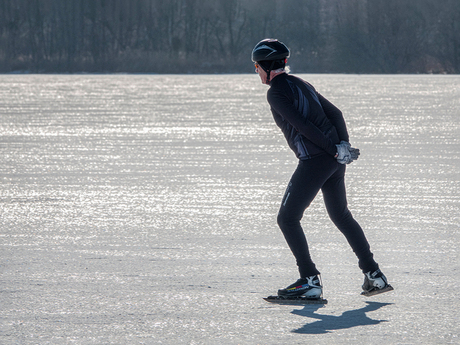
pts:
pixel 148 203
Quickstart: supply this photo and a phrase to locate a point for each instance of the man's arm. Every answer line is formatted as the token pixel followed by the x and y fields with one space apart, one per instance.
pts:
pixel 335 116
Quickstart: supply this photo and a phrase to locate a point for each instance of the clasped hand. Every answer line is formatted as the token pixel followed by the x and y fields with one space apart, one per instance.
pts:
pixel 345 153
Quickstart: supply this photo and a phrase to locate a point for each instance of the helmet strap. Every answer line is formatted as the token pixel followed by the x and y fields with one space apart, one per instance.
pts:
pixel 269 71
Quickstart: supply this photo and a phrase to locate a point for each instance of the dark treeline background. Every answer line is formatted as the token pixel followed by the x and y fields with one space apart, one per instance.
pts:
pixel 217 36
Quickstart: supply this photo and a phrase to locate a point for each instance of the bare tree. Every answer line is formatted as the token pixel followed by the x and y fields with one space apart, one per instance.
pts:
pixel 378 36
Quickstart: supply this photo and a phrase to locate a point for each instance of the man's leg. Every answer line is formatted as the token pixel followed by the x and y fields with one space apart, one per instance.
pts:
pixel 336 204
pixel 305 183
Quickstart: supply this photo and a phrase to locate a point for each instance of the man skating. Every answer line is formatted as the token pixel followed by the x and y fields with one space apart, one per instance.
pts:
pixel 316 131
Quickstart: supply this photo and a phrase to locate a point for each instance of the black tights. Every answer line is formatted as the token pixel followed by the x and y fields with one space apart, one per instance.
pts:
pixel 322 172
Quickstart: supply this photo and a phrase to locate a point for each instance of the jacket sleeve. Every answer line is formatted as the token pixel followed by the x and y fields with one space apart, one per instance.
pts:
pixel 335 116
pixel 282 105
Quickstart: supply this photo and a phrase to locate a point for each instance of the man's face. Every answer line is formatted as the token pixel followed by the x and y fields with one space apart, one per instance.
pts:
pixel 261 72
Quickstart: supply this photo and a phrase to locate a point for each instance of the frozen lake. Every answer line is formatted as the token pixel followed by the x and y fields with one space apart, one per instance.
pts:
pixel 141 209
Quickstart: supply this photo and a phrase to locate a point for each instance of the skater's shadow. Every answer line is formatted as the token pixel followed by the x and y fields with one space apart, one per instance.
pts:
pixel 327 323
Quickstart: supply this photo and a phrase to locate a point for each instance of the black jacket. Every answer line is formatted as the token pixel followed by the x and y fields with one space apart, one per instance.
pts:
pixel 311 124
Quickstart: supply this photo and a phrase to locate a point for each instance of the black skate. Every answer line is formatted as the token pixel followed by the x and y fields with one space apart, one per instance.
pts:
pixel 303 291
pixel 375 283
pixel 309 287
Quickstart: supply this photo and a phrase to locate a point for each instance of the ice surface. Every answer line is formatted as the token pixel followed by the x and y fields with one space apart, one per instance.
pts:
pixel 142 210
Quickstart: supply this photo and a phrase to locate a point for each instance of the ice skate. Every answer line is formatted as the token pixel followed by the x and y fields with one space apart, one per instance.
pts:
pixel 375 283
pixel 308 287
pixel 304 291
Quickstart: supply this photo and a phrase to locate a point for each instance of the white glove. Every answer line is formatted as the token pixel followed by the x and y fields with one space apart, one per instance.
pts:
pixel 345 153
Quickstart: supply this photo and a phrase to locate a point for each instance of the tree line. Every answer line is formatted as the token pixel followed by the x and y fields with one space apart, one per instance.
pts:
pixel 217 36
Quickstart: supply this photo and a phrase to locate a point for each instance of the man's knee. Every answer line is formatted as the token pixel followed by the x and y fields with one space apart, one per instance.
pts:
pixel 286 221
pixel 280 220
pixel 342 218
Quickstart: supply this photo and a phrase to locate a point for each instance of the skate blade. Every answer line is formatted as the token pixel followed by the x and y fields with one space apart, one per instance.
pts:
pixel 377 292
pixel 299 300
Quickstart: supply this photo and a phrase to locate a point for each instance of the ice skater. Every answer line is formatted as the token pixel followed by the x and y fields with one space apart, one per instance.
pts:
pixel 315 130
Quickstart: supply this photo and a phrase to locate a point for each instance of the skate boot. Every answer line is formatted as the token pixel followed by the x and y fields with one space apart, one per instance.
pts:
pixel 374 283
pixel 309 287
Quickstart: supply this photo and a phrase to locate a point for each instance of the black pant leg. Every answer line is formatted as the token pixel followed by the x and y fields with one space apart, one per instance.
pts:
pixel 335 198
pixel 304 185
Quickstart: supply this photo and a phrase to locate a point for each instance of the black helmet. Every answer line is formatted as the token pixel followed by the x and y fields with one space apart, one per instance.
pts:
pixel 268 50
